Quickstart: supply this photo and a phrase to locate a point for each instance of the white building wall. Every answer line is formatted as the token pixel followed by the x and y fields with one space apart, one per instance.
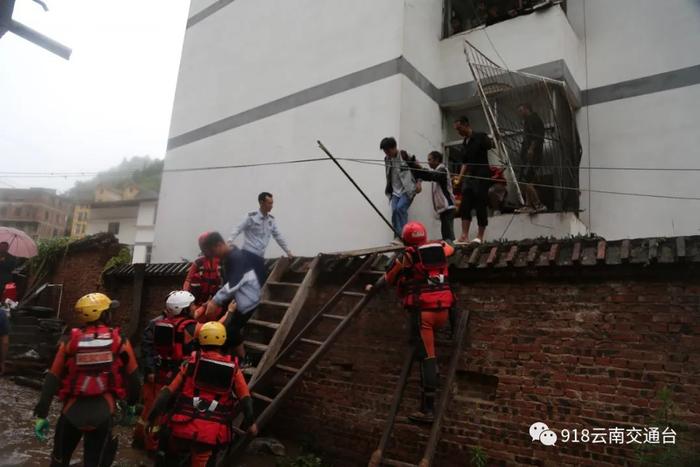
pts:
pixel 100 218
pixel 251 54
pixel 316 207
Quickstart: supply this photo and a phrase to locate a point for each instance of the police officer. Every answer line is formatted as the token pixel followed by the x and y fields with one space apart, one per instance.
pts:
pixel 258 227
pixel 93 368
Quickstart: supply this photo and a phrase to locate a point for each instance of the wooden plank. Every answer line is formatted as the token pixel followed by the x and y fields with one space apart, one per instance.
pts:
pixel 283 284
pixel 625 251
pixel 532 254
pixel 276 304
pixel 290 316
pixel 511 254
pixel 353 294
pixel 288 369
pixel 261 397
pixel 553 252
pixel 601 250
pixel 310 341
pixel 332 316
pixel 256 346
pixel 275 275
pixel 367 251
pixel 576 254
pixel 493 254
pixel 653 250
pixel 680 248
pixel 474 257
pixel 264 324
pixel 377 458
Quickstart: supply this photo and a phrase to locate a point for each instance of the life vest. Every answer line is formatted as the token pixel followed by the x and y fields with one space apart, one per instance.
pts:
pixel 170 346
pixel 94 365
pixel 425 286
pixel 204 408
pixel 207 281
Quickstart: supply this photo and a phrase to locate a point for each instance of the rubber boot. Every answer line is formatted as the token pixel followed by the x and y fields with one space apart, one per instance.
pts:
pixel 426 414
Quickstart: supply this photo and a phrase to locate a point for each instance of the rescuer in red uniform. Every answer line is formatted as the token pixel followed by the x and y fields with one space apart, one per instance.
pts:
pixel 205 392
pixel 204 276
pixel 420 275
pixel 93 368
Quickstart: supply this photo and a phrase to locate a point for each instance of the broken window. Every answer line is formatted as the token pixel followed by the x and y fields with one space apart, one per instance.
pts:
pixel 463 15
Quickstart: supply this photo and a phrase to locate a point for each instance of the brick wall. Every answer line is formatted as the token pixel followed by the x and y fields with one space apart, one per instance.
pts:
pixel 577 352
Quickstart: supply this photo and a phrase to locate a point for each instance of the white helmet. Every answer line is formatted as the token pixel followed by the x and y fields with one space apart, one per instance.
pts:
pixel 177 301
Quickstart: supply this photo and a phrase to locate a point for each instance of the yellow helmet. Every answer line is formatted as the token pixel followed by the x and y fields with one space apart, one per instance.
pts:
pixel 89 307
pixel 212 333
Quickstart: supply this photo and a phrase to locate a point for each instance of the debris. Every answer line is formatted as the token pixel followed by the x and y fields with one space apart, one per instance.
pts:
pixel 268 445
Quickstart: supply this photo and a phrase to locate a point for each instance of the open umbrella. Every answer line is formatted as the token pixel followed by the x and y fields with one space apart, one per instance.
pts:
pixel 21 244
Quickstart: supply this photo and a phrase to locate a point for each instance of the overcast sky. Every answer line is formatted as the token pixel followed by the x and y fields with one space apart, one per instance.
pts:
pixel 111 100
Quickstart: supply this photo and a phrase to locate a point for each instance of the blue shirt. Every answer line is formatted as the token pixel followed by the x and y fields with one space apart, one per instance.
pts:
pixel 240 282
pixel 258 229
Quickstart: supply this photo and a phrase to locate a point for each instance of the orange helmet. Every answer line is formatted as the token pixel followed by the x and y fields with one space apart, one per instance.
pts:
pixel 414 234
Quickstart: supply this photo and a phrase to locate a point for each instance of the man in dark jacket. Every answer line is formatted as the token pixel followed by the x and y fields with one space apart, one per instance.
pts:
pixel 475 186
pixel 531 157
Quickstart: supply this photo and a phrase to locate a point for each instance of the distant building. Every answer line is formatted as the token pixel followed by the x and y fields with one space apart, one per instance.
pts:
pixel 130 217
pixel 79 220
pixel 39 212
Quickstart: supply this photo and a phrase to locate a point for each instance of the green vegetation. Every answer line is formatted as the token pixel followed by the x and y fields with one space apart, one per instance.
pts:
pixel 478 458
pixel 141 170
pixel 121 258
pixel 675 454
pixel 51 251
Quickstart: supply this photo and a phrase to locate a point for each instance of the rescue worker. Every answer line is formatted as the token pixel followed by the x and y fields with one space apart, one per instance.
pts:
pixel 94 366
pixel 204 276
pixel 420 275
pixel 205 392
pixel 168 340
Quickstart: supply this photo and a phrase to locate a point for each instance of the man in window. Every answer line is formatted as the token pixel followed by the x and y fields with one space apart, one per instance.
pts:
pixel 476 184
pixel 530 157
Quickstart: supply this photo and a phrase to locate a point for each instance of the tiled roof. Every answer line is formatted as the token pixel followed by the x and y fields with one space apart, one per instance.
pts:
pixel 539 253
pixel 578 252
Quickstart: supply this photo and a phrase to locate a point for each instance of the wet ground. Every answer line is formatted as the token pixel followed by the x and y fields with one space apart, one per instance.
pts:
pixel 19 447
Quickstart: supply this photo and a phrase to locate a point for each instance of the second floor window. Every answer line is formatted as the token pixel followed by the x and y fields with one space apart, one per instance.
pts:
pixel 113 228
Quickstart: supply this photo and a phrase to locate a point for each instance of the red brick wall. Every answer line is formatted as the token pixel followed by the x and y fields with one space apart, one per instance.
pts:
pixel 573 352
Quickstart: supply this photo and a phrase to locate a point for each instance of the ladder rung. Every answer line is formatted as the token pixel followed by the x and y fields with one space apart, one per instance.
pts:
pixel 265 324
pixel 256 346
pixel 249 370
pixel 273 303
pixel 354 294
pixel 288 369
pixel 287 284
pixel 374 271
pixel 396 463
pixel 260 397
pixel 310 341
pixel 338 317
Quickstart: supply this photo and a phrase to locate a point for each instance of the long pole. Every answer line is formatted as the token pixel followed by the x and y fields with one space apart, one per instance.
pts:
pixel 328 153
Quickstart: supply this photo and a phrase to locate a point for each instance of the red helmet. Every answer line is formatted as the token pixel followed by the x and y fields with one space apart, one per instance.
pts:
pixel 414 234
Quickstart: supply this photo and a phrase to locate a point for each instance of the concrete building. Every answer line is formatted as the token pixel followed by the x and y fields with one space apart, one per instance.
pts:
pixel 39 212
pixel 132 221
pixel 262 81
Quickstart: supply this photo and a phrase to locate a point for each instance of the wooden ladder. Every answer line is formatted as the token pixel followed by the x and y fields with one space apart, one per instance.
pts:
pixel 270 326
pixel 378 457
pixel 308 345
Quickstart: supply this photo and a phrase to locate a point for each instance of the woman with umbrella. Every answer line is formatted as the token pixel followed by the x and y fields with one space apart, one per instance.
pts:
pixel 13 243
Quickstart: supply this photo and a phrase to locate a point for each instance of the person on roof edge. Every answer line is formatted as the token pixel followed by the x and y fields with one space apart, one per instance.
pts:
pixel 93 368
pixel 420 275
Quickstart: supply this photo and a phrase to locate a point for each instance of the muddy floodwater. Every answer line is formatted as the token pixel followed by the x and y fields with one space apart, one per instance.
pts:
pixel 19 447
